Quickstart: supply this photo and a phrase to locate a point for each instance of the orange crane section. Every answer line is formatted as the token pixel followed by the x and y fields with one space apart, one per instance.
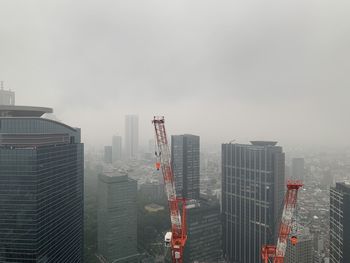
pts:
pixel 277 252
pixel 176 239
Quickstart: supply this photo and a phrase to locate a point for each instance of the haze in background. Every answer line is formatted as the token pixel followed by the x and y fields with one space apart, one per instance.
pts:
pixel 221 69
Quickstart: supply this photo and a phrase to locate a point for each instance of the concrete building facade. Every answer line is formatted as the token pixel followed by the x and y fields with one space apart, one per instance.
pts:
pixel 252 193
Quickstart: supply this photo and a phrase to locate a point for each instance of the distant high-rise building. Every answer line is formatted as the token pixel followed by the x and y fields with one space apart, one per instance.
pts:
pixel 252 195
pixel 204 233
pixel 116 148
pixel 108 154
pixel 117 218
pixel 131 136
pixel 185 165
pixel 298 170
pixel 339 230
pixel 302 252
pixel 41 188
pixel 7 97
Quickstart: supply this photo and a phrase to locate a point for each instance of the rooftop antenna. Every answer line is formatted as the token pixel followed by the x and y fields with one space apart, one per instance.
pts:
pixel 232 141
pixel 2 85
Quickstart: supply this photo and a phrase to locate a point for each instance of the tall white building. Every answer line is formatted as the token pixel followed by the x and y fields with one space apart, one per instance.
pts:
pixel 131 136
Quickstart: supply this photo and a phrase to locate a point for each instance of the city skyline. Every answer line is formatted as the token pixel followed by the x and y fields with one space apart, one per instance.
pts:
pixel 269 69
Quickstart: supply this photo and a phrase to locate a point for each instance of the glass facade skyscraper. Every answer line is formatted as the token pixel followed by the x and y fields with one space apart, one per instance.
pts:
pixel 185 158
pixel 41 188
pixel 339 230
pixel 252 196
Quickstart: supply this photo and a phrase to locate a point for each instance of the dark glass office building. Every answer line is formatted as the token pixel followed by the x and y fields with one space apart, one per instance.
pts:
pixel 41 188
pixel 252 196
pixel 185 165
pixel 204 233
pixel 339 231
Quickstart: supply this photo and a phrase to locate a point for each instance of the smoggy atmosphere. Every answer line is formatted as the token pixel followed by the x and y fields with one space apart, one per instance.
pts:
pixel 224 70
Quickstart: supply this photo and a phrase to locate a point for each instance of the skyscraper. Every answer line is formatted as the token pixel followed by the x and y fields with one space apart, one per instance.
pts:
pixel 117 218
pixel 116 148
pixel 252 194
pixel 339 230
pixel 131 136
pixel 185 165
pixel 41 188
pixel 204 233
pixel 298 170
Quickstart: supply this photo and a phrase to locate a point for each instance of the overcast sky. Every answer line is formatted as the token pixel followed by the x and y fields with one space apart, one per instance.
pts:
pixel 249 69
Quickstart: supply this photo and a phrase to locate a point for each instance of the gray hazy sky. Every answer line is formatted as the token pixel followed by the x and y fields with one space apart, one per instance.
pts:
pixel 247 69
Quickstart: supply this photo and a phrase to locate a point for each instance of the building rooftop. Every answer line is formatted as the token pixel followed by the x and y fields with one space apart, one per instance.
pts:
pixel 23 111
pixel 263 143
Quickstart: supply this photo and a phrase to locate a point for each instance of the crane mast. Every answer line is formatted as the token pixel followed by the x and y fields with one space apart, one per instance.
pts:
pixel 177 218
pixel 277 252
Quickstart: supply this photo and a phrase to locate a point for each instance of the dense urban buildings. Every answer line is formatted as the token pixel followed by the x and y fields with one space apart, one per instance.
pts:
pixel 252 194
pixel 302 252
pixel 116 148
pixel 203 231
pixel 185 164
pixel 131 136
pixel 117 218
pixel 41 187
pixel 298 169
pixel 340 223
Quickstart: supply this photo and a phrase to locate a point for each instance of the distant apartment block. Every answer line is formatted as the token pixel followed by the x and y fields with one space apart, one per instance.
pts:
pixel 185 153
pixel 117 218
pixel 252 193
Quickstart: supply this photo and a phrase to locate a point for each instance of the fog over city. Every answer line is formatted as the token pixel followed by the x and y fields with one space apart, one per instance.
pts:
pixel 274 70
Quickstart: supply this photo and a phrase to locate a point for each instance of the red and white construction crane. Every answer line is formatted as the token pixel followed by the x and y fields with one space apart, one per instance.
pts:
pixel 176 239
pixel 277 252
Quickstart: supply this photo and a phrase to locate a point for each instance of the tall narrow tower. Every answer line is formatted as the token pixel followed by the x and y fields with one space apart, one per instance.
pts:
pixel 131 136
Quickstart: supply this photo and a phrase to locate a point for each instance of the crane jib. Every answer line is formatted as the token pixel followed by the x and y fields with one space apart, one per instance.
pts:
pixel 177 216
